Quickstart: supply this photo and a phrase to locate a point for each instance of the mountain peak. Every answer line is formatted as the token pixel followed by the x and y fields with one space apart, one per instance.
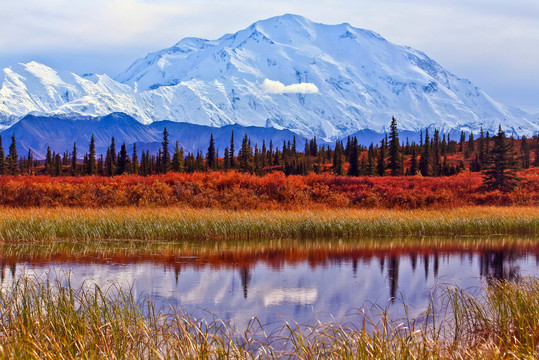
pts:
pixel 288 20
pixel 261 76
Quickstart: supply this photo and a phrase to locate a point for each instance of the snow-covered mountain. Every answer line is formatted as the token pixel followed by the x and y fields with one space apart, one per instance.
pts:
pixel 283 72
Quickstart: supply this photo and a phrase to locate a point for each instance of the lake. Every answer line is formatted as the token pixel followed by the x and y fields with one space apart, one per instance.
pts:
pixel 280 281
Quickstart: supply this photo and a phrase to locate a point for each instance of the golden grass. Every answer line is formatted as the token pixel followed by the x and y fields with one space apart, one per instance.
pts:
pixel 171 223
pixel 52 321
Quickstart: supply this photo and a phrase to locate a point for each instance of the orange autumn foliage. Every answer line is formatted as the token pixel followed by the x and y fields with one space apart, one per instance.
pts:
pixel 232 190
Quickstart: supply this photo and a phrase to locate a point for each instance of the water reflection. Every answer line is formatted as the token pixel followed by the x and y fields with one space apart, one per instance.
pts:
pixel 500 265
pixel 302 281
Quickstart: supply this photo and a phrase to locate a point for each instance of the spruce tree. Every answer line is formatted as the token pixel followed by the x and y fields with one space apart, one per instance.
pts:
pixel 371 162
pixel 57 165
pixel 158 164
pixel 199 162
pixel 113 153
pixel 226 163
pixel 353 169
pixel 111 159
pixel 270 153
pixel 74 160
pixel 92 165
pixel 231 152
pixel 123 161
pixel 2 158
pixel 211 160
pixel 13 157
pixel 501 173
pixel 424 160
pixel 258 168
pixel 100 165
pixel 308 166
pixel 189 163
pixel 338 159
pixel 381 165
pixel 444 146
pixel 66 159
pixel 48 161
pixel 536 161
pixel 347 148
pixel 487 146
pixel 475 165
pixel 264 155
pixel 462 141
pixel 149 167
pixel 143 162
pixel 277 158
pixel 481 145
pixel 109 165
pixel 525 153
pixel 436 167
pixel 30 161
pixel 165 154
pixel 85 164
pixel 394 150
pixel 414 166
pixel 314 147
pixel 245 156
pixel 177 159
pixel 134 161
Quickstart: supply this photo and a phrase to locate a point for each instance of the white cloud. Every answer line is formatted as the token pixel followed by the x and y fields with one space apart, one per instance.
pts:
pixel 277 87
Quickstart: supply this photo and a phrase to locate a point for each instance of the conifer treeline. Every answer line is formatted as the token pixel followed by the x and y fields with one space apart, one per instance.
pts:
pixel 438 155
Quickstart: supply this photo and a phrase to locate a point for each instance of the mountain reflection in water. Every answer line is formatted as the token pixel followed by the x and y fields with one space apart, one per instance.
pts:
pixel 302 281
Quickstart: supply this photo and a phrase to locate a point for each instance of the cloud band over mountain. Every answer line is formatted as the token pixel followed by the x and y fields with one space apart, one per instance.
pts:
pixel 277 87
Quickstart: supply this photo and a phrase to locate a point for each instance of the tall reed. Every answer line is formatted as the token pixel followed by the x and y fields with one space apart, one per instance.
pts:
pixel 54 320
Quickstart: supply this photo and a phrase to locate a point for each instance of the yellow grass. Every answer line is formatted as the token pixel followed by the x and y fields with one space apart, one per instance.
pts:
pixel 171 223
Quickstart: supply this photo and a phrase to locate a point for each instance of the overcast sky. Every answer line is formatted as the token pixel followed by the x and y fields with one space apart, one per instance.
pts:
pixel 493 43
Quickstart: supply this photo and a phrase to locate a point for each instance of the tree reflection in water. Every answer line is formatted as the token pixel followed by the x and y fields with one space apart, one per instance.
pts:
pixel 495 262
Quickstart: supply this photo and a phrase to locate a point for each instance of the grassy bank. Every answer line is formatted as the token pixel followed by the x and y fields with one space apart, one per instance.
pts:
pixel 45 224
pixel 44 320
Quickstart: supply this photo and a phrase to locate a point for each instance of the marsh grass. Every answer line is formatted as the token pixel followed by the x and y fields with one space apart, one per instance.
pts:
pixel 54 320
pixel 43 224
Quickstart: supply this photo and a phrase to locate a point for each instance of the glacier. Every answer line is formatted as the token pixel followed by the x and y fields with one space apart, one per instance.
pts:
pixel 361 81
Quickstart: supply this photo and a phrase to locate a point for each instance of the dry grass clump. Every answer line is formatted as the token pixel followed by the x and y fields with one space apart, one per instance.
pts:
pixel 51 321
pixel 172 223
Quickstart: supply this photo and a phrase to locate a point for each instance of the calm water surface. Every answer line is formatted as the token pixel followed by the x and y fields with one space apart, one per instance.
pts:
pixel 300 283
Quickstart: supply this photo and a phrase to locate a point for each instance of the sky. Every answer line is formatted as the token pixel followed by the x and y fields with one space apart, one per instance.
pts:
pixel 494 43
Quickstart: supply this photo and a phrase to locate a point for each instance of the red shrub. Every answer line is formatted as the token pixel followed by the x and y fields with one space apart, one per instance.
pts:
pixel 232 190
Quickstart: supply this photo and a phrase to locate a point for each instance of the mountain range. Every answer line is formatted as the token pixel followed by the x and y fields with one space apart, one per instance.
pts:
pixel 285 72
pixel 60 132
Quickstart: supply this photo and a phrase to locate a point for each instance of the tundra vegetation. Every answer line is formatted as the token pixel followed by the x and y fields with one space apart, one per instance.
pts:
pixel 438 187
